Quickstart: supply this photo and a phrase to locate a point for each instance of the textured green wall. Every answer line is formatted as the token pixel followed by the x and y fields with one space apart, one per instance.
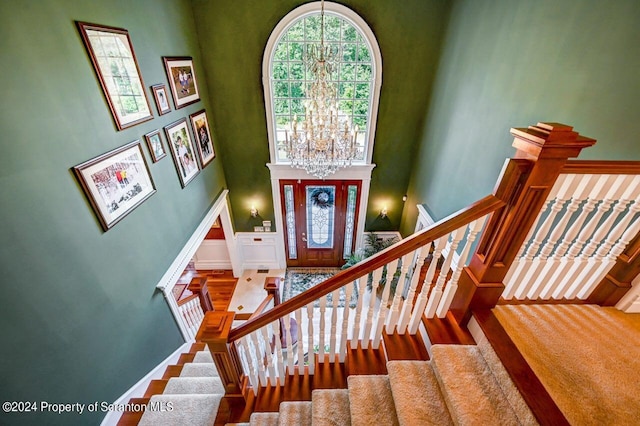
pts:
pixel 233 36
pixel 512 63
pixel 80 318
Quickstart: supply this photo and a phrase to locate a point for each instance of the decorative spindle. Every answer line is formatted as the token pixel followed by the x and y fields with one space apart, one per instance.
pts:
pixel 345 321
pixel 311 354
pixel 421 257
pixel 361 284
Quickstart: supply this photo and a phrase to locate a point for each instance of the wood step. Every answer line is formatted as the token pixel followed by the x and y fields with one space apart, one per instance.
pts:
pixel 172 371
pixel 446 331
pixel 405 347
pixel 185 358
pixel 156 387
pixel 197 347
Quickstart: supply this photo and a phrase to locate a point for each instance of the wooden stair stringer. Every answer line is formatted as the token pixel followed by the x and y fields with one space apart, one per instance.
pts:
pixel 524 378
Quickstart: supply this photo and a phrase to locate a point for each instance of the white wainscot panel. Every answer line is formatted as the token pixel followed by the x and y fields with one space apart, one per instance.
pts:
pixel 212 254
pixel 258 250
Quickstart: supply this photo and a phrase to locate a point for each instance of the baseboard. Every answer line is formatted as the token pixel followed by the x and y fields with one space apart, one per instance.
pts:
pixel 212 264
pixel 137 390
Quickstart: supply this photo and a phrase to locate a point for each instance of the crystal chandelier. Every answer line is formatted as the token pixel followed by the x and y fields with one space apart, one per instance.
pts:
pixel 325 141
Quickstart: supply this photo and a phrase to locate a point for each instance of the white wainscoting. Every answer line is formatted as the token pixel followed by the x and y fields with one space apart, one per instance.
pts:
pixel 258 250
pixel 212 254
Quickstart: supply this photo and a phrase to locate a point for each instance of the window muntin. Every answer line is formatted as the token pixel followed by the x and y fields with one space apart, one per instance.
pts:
pixel 291 80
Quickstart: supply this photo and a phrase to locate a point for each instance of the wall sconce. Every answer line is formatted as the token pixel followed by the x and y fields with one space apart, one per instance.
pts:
pixel 253 211
pixel 383 212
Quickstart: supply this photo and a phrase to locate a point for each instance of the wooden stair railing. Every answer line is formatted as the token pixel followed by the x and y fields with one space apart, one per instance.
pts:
pixel 526 182
pixel 587 222
pixel 542 152
pixel 246 350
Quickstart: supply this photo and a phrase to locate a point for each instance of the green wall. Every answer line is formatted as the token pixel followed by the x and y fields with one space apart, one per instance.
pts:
pixel 80 318
pixel 512 63
pixel 233 36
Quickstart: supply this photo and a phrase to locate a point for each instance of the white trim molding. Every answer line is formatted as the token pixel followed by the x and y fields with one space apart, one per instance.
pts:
pixel 285 172
pixel 170 278
pixel 137 391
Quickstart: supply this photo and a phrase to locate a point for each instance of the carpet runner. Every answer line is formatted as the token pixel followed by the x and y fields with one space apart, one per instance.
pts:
pixel 190 399
pixel 455 387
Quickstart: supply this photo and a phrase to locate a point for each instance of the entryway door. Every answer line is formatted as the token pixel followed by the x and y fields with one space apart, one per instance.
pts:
pixel 320 221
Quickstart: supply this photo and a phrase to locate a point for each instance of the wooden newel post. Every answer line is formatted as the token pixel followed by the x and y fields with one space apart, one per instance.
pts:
pixel 525 183
pixel 272 287
pixel 214 331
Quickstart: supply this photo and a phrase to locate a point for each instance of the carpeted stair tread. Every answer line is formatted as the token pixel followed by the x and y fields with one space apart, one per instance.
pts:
pixel 511 392
pixel 330 407
pixel 371 401
pixel 178 410
pixel 416 394
pixel 199 369
pixel 294 413
pixel 472 394
pixel 203 356
pixel 194 385
pixel 264 419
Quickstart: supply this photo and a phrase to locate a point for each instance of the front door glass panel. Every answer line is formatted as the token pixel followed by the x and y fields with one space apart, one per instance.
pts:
pixel 320 201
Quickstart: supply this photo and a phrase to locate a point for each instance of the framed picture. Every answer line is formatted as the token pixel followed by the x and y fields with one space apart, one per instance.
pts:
pixel 182 151
pixel 154 143
pixel 182 80
pixel 115 64
pixel 116 182
pixel 161 97
pixel 203 137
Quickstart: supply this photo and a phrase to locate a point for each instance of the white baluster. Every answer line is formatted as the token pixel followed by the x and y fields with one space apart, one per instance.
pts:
pixel 300 342
pixel 268 355
pixel 289 343
pixel 335 299
pixel 278 348
pixel 583 265
pixel 394 313
pixel 251 359
pixel 366 332
pixel 452 285
pixel 345 321
pixel 560 259
pixel 436 294
pixel 262 377
pixel 384 303
pixel 566 186
pixel 542 264
pixel 311 355
pixel 321 340
pixel 584 235
pixel 421 256
pixel 607 254
pixel 361 284
pixel 512 278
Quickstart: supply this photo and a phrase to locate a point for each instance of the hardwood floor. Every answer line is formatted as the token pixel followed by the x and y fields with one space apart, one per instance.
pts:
pixel 220 284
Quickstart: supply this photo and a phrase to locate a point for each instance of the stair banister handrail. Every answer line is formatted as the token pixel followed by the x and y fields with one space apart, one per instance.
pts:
pixel 480 208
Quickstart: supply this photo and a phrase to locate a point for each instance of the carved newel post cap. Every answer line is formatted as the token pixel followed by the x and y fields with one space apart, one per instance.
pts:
pixel 215 327
pixel 549 140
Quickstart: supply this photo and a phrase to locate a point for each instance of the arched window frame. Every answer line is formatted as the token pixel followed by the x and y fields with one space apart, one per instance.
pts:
pixel 283 26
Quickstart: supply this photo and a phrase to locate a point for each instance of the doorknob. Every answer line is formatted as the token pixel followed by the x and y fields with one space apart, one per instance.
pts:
pixel 304 237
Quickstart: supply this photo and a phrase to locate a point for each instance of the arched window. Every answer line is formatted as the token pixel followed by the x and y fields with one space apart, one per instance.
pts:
pixel 287 80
